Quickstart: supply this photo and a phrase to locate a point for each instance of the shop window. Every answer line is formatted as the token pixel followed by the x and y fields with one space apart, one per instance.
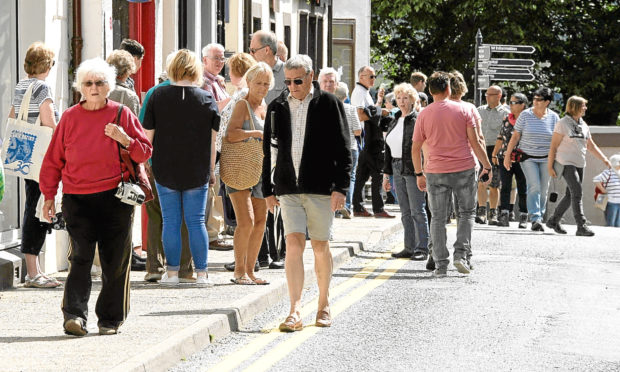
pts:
pixel 343 49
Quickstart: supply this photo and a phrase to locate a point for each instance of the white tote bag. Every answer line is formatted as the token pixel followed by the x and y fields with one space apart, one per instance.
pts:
pixel 25 144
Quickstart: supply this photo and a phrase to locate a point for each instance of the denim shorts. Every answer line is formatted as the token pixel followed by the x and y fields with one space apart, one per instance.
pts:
pixel 256 191
pixel 311 210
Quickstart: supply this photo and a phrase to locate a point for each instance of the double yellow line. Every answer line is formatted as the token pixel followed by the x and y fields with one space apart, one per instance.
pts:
pixel 282 349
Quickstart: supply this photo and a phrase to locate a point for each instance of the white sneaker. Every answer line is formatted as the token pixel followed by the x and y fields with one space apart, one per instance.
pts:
pixel 171 281
pixel 204 281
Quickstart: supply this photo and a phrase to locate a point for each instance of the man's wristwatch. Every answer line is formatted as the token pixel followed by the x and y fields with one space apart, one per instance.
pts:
pixel 418 174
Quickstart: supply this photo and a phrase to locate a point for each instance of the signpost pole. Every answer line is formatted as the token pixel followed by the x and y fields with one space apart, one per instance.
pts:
pixel 476 90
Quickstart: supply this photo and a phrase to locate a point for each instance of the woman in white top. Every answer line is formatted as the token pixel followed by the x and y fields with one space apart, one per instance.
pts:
pixel 571 138
pixel 398 162
pixel 609 182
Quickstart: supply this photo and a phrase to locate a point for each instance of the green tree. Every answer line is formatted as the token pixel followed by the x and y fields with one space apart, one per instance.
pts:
pixel 579 39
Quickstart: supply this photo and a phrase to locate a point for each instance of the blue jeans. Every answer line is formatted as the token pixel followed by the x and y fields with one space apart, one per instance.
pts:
pixel 612 214
pixel 412 205
pixel 349 200
pixel 463 185
pixel 537 177
pixel 191 205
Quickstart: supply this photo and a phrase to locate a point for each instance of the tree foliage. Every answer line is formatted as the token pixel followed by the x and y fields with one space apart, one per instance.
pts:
pixel 579 39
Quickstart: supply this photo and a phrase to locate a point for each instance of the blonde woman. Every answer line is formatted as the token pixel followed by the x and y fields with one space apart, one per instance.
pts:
pixel 182 120
pixel 38 63
pixel 249 205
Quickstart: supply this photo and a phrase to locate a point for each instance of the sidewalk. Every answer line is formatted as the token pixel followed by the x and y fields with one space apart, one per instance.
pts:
pixel 164 324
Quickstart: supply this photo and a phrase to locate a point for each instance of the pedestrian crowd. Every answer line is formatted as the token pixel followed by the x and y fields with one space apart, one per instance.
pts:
pixel 275 162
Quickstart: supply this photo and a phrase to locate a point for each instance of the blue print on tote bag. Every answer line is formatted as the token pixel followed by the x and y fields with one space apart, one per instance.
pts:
pixel 19 152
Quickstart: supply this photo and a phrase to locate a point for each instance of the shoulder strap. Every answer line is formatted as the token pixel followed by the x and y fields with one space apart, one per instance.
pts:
pixel 117 121
pixel 25 105
pixel 250 113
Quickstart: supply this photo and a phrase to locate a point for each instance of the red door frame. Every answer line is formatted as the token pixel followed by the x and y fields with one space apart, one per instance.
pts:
pixel 142 29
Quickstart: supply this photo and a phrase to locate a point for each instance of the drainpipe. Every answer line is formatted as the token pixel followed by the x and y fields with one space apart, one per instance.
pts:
pixel 76 43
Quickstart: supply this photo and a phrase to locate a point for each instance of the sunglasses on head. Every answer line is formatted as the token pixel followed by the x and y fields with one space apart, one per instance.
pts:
pixel 98 83
pixel 516 102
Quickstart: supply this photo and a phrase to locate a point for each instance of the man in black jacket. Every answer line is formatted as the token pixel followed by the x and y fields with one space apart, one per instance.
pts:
pixel 306 171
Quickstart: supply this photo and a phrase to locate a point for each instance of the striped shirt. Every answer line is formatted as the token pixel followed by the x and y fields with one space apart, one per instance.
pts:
pixel 613 186
pixel 299 114
pixel 40 92
pixel 354 123
pixel 536 133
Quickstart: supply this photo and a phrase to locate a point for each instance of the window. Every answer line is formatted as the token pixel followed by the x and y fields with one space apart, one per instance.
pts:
pixel 343 49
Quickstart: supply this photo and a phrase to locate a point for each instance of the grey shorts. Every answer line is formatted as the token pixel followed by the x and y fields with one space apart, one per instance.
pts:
pixel 307 210
pixel 255 191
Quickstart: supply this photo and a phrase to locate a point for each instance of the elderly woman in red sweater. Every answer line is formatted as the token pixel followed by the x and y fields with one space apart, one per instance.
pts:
pixel 84 154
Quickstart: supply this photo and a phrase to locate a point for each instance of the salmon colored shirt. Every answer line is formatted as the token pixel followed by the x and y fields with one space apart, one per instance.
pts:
pixel 442 127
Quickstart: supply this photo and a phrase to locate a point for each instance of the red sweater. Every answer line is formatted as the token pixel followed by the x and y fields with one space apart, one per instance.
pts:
pixel 84 157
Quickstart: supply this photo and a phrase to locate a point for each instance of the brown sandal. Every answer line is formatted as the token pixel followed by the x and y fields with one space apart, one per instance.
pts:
pixel 291 324
pixel 243 280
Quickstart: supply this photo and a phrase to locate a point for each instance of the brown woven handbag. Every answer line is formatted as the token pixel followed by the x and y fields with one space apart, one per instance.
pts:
pixel 241 163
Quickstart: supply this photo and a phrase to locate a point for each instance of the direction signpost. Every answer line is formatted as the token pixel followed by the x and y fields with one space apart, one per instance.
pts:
pixel 500 69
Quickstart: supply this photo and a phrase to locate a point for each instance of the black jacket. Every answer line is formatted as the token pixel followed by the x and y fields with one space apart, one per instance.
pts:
pixel 407 162
pixel 373 130
pixel 326 159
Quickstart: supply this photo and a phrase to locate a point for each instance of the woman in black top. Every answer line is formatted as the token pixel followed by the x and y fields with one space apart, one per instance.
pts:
pixel 182 121
pixel 399 163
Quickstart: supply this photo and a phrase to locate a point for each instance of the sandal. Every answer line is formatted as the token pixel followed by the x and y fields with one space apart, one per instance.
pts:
pixel 243 280
pixel 259 281
pixel 41 281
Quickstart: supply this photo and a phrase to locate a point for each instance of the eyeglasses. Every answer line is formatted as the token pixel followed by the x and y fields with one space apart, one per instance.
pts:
pixel 538 99
pixel 98 83
pixel 53 63
pixel 371 76
pixel 516 102
pixel 252 50
pixel 288 82
pixel 219 59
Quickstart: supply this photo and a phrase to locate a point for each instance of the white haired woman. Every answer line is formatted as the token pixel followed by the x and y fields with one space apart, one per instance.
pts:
pixel 398 162
pixel 569 143
pixel 84 154
pixel 249 204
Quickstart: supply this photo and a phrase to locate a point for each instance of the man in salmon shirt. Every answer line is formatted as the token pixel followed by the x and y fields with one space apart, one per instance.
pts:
pixel 448 132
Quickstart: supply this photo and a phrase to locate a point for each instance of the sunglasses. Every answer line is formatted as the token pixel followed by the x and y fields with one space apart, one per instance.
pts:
pixel 516 102
pixel 252 50
pixel 98 83
pixel 372 76
pixel 288 82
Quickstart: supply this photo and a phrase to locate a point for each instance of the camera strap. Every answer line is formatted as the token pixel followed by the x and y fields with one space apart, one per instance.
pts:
pixel 117 121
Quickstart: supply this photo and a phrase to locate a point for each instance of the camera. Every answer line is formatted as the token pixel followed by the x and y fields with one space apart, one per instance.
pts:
pixel 58 222
pixel 484 177
pixel 553 197
pixel 130 193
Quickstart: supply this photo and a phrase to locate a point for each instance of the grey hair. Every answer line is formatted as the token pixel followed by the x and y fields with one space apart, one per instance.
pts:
pixel 340 92
pixel 97 67
pixel 259 69
pixel 299 61
pixel 361 70
pixel 615 160
pixel 329 71
pixel 269 39
pixel 208 47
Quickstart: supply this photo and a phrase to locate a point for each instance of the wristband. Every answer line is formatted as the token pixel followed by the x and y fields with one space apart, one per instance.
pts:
pixel 418 174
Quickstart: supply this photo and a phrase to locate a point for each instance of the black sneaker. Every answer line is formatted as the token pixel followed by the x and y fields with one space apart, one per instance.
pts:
pixel 584 230
pixel 512 217
pixel 523 221
pixel 430 264
pixel 231 266
pixel 481 215
pixel 556 226
pixel 493 217
pixel 536 226
pixel 279 264
pixel 402 254
pixel 503 219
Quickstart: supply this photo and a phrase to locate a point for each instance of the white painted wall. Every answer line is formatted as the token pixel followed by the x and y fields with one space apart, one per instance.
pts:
pixel 359 10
